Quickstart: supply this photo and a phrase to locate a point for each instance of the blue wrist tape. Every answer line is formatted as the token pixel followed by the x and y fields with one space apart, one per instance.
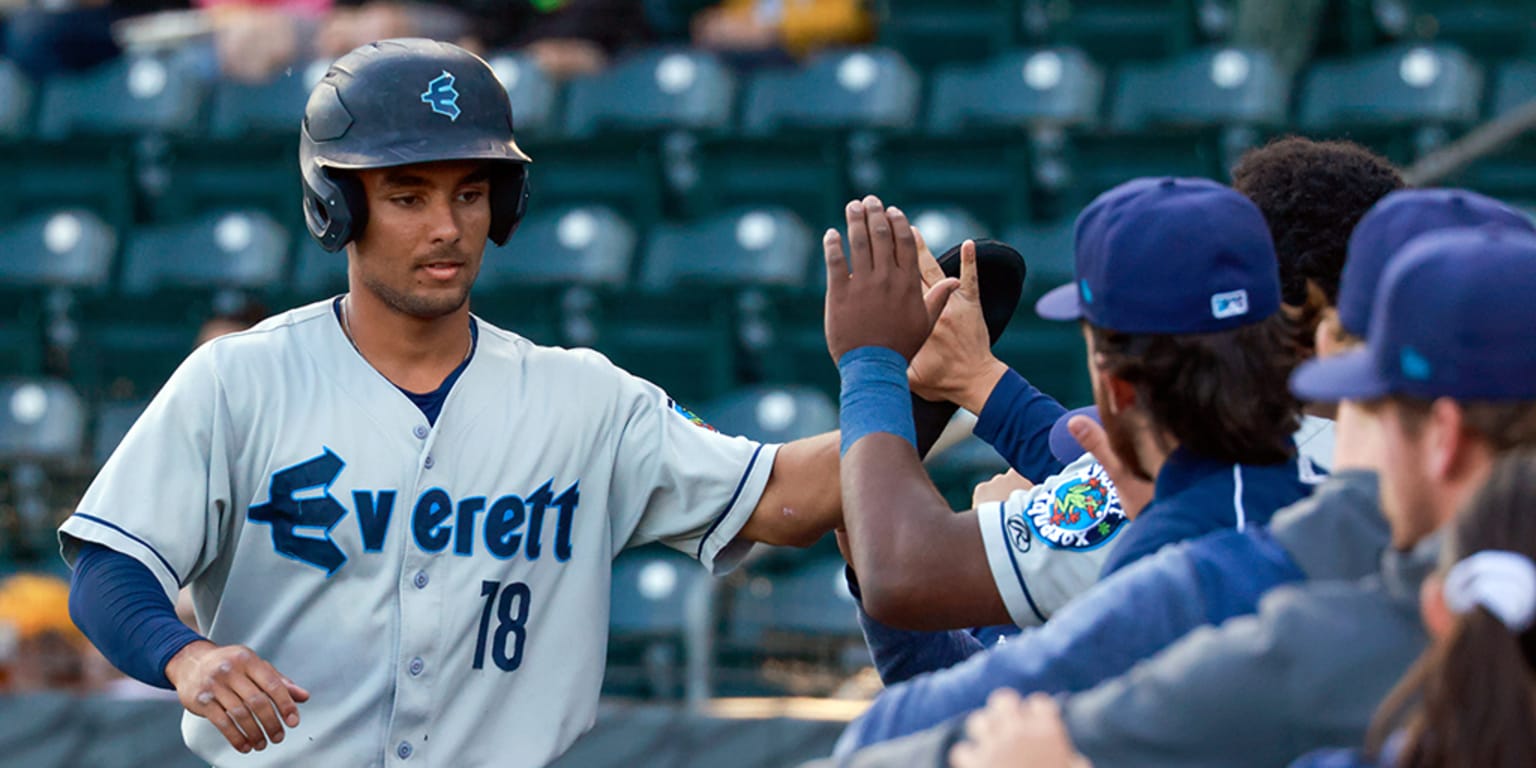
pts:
pixel 875 397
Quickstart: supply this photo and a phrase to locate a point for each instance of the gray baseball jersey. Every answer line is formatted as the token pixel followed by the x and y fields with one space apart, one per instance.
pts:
pixel 1047 544
pixel 442 591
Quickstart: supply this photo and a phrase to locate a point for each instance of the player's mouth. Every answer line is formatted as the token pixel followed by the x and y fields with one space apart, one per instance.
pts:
pixel 442 270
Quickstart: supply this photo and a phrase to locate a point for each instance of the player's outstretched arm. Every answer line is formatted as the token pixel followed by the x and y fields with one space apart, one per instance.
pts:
pixel 236 690
pixel 920 566
pixel 801 502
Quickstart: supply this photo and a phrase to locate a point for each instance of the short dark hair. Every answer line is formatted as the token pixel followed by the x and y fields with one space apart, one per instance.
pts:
pixel 1312 193
pixel 1221 395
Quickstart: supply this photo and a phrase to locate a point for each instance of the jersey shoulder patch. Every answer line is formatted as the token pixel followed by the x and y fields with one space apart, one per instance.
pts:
pixel 688 415
pixel 1078 510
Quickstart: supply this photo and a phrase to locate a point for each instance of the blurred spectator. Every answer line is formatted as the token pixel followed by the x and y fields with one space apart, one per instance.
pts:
pixel 40 648
pixel 793 28
pixel 237 319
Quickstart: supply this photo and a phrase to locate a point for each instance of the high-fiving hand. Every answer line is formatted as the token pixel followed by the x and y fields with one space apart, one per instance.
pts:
pixel 875 293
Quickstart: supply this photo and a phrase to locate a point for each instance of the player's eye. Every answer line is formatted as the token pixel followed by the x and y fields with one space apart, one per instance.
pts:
pixel 470 195
pixel 405 201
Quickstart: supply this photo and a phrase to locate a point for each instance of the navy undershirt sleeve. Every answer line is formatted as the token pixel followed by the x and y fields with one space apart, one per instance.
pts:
pixel 119 605
pixel 1016 422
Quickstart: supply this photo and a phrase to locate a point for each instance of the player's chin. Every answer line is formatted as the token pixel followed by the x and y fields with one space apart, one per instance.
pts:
pixel 428 302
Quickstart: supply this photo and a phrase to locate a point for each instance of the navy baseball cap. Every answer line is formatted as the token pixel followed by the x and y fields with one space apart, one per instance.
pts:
pixel 1391 223
pixel 1453 317
pixel 1169 256
pixel 1064 446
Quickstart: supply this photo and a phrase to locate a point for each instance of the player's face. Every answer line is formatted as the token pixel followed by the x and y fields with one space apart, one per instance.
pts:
pixel 1118 425
pixel 1406 491
pixel 426 233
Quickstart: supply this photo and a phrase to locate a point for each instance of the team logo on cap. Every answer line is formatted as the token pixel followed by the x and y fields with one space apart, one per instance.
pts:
pixel 1081 513
pixel 1229 304
pixel 442 97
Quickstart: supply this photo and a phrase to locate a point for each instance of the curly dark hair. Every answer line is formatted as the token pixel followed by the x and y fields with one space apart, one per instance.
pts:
pixel 1312 193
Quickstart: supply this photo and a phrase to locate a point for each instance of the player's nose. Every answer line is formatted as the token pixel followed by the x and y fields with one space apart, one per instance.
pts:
pixel 444 223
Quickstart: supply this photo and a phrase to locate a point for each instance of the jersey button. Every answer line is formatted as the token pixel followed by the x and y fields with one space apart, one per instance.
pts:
pixel 417 665
pixel 404 750
pixel 421 580
pixel 420 432
pixel 428 463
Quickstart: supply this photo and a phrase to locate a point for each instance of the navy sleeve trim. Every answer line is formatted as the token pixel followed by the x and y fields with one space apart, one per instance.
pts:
pixel 141 542
pixel 729 504
pixel 1002 520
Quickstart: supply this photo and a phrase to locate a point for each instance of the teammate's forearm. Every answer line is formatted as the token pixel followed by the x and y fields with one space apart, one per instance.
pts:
pixel 121 608
pixel 803 500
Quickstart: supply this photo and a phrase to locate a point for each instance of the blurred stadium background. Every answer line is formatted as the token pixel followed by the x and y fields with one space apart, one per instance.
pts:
pixel 680 183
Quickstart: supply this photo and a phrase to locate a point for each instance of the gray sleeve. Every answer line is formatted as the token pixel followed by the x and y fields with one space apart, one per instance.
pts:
pixel 1307 672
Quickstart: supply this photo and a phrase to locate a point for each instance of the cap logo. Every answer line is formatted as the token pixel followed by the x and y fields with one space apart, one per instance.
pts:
pixel 441 96
pixel 1087 292
pixel 1229 304
pixel 1414 365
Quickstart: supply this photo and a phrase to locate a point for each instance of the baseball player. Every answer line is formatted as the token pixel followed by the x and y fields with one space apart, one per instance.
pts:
pixel 397 520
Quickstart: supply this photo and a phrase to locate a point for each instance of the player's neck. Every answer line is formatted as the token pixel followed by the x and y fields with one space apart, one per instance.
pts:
pixel 412 352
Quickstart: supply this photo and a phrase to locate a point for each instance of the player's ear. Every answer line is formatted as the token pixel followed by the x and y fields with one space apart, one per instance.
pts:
pixel 1122 394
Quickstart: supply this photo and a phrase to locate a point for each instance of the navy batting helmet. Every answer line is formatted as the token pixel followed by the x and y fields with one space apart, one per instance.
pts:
pixel 400 102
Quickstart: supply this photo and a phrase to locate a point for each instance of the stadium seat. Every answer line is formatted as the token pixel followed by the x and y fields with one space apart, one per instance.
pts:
pixel 57 249
pixel 771 414
pixel 1189 116
pixel 233 250
pixel 135 94
pixel 1404 101
pixel 945 226
pixel 628 131
pixel 647 621
pixel 996 130
pixel 316 272
pixel 1118 30
pixel 957 470
pixel 930 33
pixel 809 136
pixel 802 610
pixel 113 419
pixel 533 93
pixel 16 95
pixel 1510 171
pixel 1490 29
pixel 40 420
pixel 1047 248
pixel 705 289
pixel 240 111
pixel 551 281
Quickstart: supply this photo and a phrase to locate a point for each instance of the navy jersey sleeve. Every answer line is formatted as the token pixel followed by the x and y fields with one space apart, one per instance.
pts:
pixel 1016 422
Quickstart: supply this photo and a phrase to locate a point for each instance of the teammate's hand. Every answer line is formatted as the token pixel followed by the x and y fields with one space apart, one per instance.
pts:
pixel 237 691
pixel 999 488
pixel 1016 732
pixel 881 303
pixel 956 362
pixel 1135 493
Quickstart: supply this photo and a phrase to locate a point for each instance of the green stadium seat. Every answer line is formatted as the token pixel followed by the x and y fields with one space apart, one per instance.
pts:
pixel 809 137
pixel 1510 171
pixel 749 247
pixel 1118 30
pixel 994 131
pixel 41 420
pixel 801 611
pixel 16 96
pixel 930 33
pixel 275 108
pixel 136 94
pixel 1404 101
pixel 70 249
pixel 647 621
pixel 1047 248
pixel 1490 29
pixel 957 470
pixel 773 414
pixel 235 250
pixel 1190 116
pixel 551 281
pixel 113 420
pixel 943 227
pixel 533 93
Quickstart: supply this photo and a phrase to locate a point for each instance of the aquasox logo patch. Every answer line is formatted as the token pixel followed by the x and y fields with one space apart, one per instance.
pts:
pixel 689 415
pixel 1080 513
pixel 442 96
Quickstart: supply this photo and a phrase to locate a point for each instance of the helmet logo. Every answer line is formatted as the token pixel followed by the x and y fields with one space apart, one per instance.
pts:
pixel 440 94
